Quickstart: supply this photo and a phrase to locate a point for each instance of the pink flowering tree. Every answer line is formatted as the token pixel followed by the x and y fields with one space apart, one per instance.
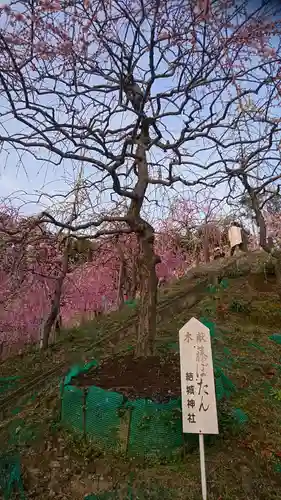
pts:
pixel 145 94
pixel 29 268
pixel 92 287
pixel 190 234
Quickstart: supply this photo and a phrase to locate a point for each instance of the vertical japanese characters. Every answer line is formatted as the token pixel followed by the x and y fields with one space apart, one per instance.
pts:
pixel 197 379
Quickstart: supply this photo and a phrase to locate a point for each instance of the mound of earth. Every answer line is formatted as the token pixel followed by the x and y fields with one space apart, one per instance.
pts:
pixel 156 378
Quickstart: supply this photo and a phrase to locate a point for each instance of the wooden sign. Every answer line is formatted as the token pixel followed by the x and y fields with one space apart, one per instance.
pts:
pixel 199 409
pixel 235 236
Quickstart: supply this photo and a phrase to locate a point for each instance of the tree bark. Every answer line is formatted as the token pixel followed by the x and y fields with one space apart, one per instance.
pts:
pixel 146 330
pixel 267 246
pixel 264 241
pixel 121 283
pixel 133 279
pixel 53 314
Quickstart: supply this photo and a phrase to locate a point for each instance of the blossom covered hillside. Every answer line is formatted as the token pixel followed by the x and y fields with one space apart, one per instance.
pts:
pixel 31 262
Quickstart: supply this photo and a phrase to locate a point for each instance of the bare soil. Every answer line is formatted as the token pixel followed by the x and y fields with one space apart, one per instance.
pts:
pixel 156 378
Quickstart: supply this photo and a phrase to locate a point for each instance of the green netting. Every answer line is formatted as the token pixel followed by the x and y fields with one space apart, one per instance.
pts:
pixel 228 353
pixel 224 283
pixel 151 429
pixel 8 383
pixel 224 386
pixel 276 337
pixel 255 345
pixel 77 369
pixel 221 362
pixel 130 303
pixel 10 477
pixel 220 391
pixel 173 346
pixel 141 427
pixel 72 408
pixel 103 421
pixel 20 433
pixel 277 467
pixel 240 417
pixel 211 288
pixel 155 429
pixel 210 325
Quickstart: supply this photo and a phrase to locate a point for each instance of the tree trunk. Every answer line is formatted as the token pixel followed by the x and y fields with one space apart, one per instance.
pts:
pixel 265 243
pixel 53 314
pixel 50 320
pixel 121 282
pixel 206 243
pixel 133 281
pixel 146 330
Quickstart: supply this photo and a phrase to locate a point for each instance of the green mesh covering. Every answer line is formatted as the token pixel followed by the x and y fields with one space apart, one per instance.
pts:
pixel 10 477
pixel 21 434
pixel 8 383
pixel 77 369
pixel 224 284
pixel 155 429
pixel 103 421
pixel 212 289
pixel 240 417
pixel 140 427
pixel 131 303
pixel 224 386
pixel 210 325
pixel 276 337
pixel 72 408
pixel 255 345
pixel 220 392
pixel 173 346
pixel 277 467
pixel 227 352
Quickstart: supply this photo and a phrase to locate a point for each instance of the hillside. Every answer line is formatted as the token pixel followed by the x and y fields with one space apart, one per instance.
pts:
pixel 242 462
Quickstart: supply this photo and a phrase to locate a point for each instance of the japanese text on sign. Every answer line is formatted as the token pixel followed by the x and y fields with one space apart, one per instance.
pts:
pixel 199 410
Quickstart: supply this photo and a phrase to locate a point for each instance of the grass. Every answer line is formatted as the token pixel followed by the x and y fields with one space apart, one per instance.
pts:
pixel 244 461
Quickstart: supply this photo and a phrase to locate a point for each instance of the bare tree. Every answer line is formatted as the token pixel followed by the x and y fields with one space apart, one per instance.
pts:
pixel 143 92
pixel 253 174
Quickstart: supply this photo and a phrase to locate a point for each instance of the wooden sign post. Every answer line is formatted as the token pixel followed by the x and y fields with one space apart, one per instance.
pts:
pixel 199 408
